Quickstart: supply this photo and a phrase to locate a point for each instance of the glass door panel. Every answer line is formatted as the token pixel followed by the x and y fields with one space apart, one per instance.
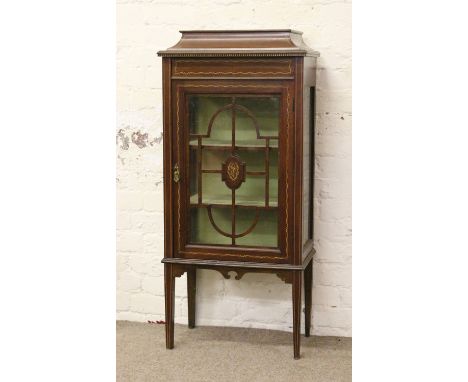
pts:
pixel 233 169
pixel 265 111
pixel 204 232
pixel 252 192
pixel 210 119
pixel 264 232
pixel 273 175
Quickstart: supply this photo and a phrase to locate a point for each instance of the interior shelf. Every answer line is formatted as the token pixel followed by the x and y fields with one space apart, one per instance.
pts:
pixel 260 143
pixel 241 201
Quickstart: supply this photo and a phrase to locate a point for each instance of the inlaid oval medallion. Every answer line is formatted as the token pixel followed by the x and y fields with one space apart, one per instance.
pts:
pixel 233 172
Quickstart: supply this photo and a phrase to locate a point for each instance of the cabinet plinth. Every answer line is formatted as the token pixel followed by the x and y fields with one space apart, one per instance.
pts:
pixel 238 161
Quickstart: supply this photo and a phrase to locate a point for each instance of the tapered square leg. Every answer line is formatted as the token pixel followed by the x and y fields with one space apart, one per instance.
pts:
pixel 297 304
pixel 169 286
pixel 191 295
pixel 308 297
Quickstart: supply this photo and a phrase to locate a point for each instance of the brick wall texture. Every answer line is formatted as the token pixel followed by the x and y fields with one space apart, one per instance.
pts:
pixel 260 301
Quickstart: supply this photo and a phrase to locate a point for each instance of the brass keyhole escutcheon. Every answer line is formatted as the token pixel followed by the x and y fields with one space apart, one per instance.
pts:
pixel 176 174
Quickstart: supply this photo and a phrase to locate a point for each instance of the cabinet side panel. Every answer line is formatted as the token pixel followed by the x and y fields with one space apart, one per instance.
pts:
pixel 308 147
pixel 298 159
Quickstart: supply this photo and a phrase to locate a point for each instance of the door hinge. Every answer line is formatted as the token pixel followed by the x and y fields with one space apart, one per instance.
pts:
pixel 293 105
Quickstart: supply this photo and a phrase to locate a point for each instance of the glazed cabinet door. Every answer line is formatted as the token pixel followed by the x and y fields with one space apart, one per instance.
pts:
pixel 232 160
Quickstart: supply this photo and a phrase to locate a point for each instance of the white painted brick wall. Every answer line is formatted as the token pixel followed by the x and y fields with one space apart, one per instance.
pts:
pixel 258 300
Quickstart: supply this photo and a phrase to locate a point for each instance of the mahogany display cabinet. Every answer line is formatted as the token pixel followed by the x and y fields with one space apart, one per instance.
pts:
pixel 238 161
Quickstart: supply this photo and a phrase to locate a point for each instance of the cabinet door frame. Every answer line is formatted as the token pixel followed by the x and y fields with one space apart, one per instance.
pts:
pixel 180 156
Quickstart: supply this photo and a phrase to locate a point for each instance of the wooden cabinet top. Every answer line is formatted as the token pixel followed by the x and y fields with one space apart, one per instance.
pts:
pixel 240 43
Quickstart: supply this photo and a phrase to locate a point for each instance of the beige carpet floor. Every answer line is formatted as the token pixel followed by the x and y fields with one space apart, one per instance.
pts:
pixel 230 354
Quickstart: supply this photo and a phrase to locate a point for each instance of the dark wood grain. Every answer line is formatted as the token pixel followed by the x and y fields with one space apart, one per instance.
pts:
pixel 308 297
pixel 167 155
pixel 191 295
pixel 253 67
pixel 308 122
pixel 298 162
pixel 234 264
pixel 240 43
pixel 297 304
pixel 231 64
pixel 169 293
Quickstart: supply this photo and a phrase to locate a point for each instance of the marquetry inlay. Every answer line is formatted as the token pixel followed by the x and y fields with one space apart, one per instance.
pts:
pixel 233 172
